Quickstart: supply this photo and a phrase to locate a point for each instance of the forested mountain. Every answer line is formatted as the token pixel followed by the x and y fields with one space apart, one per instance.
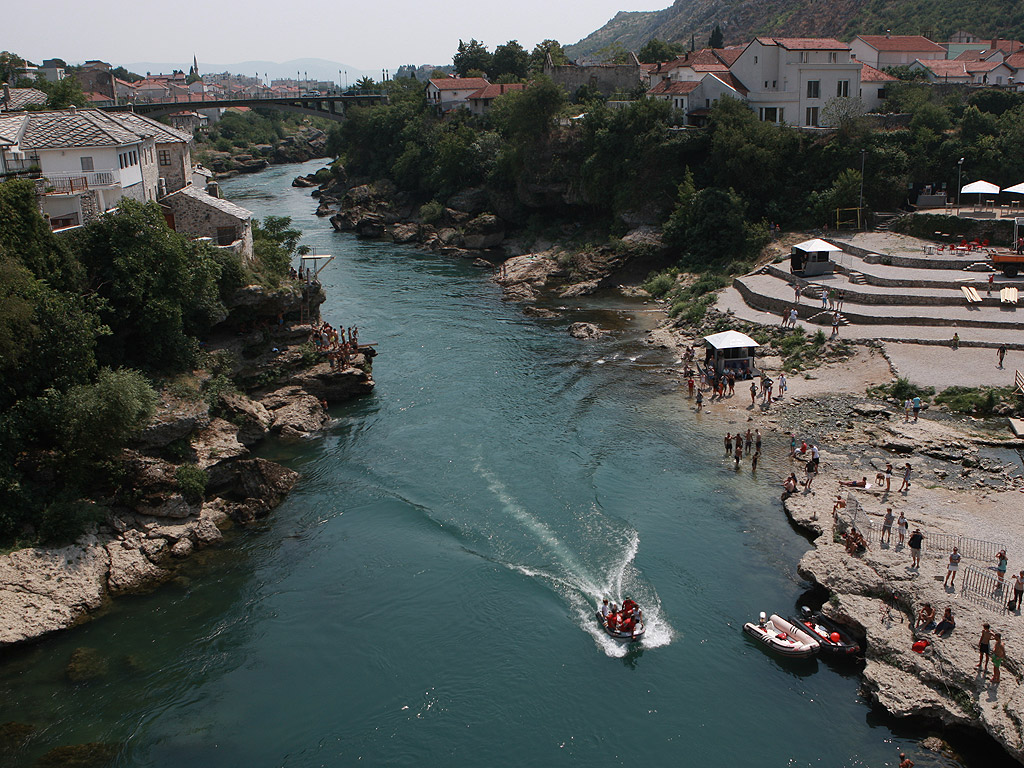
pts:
pixel 742 19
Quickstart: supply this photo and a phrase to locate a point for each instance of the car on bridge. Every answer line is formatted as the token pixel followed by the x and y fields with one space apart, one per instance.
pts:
pixel 309 94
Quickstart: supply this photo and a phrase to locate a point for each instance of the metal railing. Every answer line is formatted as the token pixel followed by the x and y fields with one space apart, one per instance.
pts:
pixel 982 587
pixel 936 543
pixel 70 182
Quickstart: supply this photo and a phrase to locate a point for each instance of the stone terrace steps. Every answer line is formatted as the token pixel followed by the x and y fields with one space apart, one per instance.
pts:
pixel 730 301
pixel 769 293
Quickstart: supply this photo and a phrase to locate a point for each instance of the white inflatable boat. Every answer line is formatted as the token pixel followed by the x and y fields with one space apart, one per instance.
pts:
pixel 783 637
pixel 636 634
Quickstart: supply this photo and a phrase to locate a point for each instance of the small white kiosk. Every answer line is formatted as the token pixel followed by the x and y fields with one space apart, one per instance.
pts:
pixel 730 351
pixel 812 257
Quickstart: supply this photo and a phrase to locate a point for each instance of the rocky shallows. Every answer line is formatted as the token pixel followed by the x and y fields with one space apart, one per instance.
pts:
pixel 189 475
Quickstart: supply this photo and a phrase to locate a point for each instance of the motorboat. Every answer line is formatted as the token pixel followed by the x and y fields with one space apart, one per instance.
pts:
pixel 783 637
pixel 634 633
pixel 835 639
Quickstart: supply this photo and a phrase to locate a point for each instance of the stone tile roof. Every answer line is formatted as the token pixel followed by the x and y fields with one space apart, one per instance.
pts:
pixel 58 129
pixel 21 98
pixel 805 43
pixel 150 128
pixel 224 206
pixel 869 74
pixel 459 83
pixel 912 43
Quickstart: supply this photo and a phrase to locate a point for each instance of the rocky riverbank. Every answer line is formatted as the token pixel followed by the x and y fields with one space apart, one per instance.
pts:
pixel 966 482
pixel 190 474
pixel 307 143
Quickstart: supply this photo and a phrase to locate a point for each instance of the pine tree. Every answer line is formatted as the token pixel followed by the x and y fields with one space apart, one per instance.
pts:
pixel 717 39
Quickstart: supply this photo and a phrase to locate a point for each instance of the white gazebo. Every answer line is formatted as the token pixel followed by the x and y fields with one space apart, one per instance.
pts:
pixel 812 257
pixel 730 351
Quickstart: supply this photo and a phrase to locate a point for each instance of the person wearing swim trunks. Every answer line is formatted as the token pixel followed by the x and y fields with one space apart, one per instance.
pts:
pixel 984 649
pixel 998 654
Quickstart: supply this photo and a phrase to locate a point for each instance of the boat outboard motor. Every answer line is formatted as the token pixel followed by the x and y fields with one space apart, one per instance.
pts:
pixel 805 612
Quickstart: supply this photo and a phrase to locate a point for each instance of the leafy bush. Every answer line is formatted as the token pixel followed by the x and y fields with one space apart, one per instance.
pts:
pixel 431 213
pixel 191 482
pixel 977 401
pixel 660 283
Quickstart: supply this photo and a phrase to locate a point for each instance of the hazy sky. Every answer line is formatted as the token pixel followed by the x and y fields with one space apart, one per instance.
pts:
pixel 368 36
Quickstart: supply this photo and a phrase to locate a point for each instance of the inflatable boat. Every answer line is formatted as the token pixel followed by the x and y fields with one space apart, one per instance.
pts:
pixel 618 634
pixel 834 639
pixel 783 637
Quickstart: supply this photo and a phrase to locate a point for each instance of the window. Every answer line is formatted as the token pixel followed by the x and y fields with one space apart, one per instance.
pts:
pixel 87 164
pixel 120 159
pixel 813 89
pixel 768 114
pixel 843 88
pixel 225 235
pixel 803 57
pixel 812 117
pixel 833 57
pixel 165 156
pixel 755 59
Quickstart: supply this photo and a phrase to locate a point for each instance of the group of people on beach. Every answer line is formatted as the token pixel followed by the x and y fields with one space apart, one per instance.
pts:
pixel 332 343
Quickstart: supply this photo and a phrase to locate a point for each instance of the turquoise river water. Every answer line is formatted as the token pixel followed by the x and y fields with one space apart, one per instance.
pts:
pixel 425 596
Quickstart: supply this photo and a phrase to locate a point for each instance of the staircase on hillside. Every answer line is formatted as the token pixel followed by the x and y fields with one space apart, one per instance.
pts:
pixel 883 221
pixel 825 317
pixel 857 278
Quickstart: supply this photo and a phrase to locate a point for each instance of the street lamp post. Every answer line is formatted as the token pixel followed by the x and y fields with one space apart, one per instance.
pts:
pixel 959 175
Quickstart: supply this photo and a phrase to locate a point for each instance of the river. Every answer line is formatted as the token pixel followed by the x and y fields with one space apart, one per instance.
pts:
pixel 424 597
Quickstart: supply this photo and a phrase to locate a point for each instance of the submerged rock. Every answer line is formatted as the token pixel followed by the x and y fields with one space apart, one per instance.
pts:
pixel 86 664
pixel 92 755
pixel 585 331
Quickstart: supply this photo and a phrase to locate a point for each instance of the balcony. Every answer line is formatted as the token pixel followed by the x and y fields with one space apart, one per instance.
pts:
pixel 74 182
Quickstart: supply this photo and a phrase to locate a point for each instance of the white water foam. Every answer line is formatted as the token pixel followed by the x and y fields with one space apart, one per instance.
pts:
pixel 579 588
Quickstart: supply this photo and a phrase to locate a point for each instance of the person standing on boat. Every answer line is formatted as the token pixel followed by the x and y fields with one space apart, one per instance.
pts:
pixel 605 609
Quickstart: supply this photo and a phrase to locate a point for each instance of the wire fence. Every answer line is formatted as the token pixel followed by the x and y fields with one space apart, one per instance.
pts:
pixel 984 588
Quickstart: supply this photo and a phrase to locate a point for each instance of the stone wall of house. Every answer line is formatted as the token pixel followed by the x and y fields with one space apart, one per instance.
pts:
pixel 148 168
pixel 135 191
pixel 606 78
pixel 179 173
pixel 195 218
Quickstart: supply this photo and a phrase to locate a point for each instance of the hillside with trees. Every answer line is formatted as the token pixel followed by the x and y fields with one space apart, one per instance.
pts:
pixel 740 21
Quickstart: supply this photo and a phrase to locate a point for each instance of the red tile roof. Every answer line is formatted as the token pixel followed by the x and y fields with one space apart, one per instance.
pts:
pixel 493 90
pixel 732 81
pixel 674 88
pixel 459 83
pixel 869 74
pixel 805 43
pixel 942 68
pixel 1015 60
pixel 730 54
pixel 911 43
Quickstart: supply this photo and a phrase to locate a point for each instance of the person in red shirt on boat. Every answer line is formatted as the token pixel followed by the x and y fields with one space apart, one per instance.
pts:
pixel 629 606
pixel 613 618
pixel 627 624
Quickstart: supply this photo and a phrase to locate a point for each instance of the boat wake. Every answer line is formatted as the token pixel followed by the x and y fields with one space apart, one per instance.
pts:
pixel 582 588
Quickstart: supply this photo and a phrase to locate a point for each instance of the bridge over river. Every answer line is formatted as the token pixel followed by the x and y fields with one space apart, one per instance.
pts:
pixel 333 107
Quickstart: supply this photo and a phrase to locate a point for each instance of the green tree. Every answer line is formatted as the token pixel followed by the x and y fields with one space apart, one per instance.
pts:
pixel 470 56
pixel 365 84
pixel 510 60
pixel 275 243
pixel 160 288
pixel 123 74
pixel 539 54
pixel 62 94
pixel 10 63
pixel 613 53
pixel 655 51
pixel 717 39
pixel 97 419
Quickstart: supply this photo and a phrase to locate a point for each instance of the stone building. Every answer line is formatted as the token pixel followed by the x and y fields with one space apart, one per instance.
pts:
pixel 606 78
pixel 193 212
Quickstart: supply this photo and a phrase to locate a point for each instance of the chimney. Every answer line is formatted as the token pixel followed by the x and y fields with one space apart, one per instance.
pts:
pixel 7 94
pixel 888 33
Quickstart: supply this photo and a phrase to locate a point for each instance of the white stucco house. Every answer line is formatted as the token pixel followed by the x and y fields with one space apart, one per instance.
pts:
pixel 881 51
pixel 790 80
pixel 874 85
pixel 447 93
pixel 694 98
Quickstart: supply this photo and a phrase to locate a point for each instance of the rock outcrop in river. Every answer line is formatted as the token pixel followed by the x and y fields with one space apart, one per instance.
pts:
pixel 190 475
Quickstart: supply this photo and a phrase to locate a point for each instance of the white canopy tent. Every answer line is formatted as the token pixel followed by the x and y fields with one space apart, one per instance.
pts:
pixel 732 351
pixel 979 188
pixel 812 257
pixel 816 244
pixel 1017 189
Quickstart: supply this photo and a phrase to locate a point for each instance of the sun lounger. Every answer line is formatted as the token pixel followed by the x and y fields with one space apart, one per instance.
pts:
pixel 1008 296
pixel 971 294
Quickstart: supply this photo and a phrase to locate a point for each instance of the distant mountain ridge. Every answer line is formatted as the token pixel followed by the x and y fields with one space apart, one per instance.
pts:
pixel 742 20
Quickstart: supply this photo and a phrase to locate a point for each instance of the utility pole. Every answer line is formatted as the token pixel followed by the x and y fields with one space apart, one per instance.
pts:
pixel 860 206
